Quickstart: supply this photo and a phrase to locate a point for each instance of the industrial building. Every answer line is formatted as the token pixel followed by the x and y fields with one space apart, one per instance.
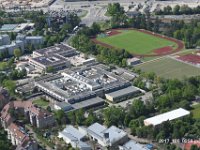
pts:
pixel 86 87
pixel 60 49
pixel 86 104
pixel 54 56
pixel 59 57
pixel 82 83
pixel 55 61
pixel 62 106
pixel 171 115
pixel 122 94
pixel 107 137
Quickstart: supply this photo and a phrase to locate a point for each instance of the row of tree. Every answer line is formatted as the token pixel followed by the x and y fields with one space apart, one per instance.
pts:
pixel 187 32
pixel 179 10
pixel 83 43
pixel 172 94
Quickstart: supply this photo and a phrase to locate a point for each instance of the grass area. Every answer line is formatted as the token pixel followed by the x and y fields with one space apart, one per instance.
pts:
pixel 104 25
pixel 84 13
pixel 169 68
pixel 4 66
pixel 41 102
pixel 136 42
pixel 196 111
pixel 144 59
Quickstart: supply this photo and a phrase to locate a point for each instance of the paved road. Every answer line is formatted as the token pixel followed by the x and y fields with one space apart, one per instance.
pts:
pixel 96 9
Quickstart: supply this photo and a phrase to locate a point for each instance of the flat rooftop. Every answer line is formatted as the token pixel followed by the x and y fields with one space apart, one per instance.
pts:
pixel 52 60
pixel 98 130
pixel 8 27
pixel 15 27
pixel 65 89
pixel 88 103
pixel 171 115
pixel 115 134
pixel 57 49
pixel 95 78
pixel 124 91
pixel 72 133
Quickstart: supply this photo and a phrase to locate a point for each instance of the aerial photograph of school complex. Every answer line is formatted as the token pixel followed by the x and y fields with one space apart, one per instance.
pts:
pixel 99 74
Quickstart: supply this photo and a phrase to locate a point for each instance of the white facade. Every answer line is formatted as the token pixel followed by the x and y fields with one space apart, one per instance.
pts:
pixel 171 115
pixel 106 137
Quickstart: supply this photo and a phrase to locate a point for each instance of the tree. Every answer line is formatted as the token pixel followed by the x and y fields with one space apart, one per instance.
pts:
pixel 137 108
pixel 95 28
pixel 91 118
pixel 17 53
pixel 10 85
pixel 50 69
pixel 176 10
pixel 79 114
pixel 4 142
pixel 194 147
pixel 115 9
pixel 133 125
pixel 60 116
pixel 114 116
pixel 3 66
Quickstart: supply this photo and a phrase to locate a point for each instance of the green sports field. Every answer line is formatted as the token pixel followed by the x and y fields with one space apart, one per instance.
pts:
pixel 136 42
pixel 169 68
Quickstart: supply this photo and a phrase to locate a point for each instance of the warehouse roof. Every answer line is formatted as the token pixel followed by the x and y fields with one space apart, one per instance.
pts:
pixel 115 134
pixel 8 27
pixel 171 115
pixel 72 133
pixel 53 60
pixel 88 102
pixel 97 129
pixel 124 91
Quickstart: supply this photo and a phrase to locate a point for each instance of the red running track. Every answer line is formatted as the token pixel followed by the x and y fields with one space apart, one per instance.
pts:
pixel 195 59
pixel 158 52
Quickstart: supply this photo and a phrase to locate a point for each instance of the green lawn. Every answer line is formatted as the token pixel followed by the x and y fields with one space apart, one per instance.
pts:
pixel 196 111
pixel 41 102
pixel 136 42
pixel 169 68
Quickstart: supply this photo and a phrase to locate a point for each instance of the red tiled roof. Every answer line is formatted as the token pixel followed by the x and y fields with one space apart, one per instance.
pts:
pixel 16 132
pixel 188 145
pixel 28 105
